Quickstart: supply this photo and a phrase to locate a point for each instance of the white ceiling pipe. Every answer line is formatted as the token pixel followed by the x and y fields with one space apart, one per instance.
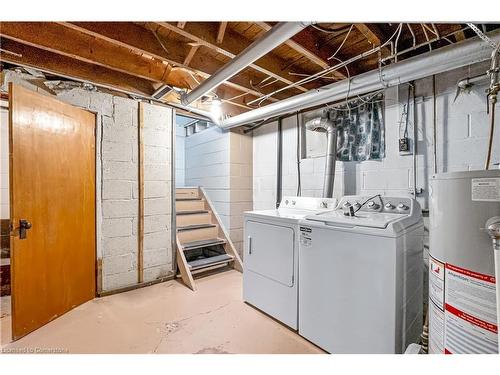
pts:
pixel 447 58
pixel 276 36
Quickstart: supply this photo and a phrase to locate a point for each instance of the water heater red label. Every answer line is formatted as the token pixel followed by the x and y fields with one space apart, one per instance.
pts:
pixel 470 312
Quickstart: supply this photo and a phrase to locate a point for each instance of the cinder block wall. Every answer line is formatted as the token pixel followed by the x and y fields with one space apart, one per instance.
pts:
pixel 462 134
pixel 207 164
pixel 180 158
pixel 221 162
pixel 157 139
pixel 117 184
pixel 240 182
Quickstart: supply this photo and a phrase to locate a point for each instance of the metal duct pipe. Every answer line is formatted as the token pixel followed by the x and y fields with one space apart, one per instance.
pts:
pixel 446 58
pixel 324 124
pixel 269 41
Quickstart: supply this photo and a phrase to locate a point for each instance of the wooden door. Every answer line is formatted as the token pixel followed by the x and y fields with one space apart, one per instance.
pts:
pixel 52 186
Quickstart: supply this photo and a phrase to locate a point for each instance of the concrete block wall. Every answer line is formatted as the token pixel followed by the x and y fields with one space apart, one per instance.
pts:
pixel 208 165
pixel 157 191
pixel 221 162
pixel 180 154
pixel 265 140
pixel 120 203
pixel 462 133
pixel 116 183
pixel 240 183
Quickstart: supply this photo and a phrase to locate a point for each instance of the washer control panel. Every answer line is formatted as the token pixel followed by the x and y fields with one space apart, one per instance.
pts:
pixel 308 203
pixel 384 204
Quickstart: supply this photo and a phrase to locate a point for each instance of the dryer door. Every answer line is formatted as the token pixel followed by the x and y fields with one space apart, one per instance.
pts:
pixel 270 251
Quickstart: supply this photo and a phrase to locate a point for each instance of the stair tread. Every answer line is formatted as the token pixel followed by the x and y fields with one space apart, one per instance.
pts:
pixel 195 226
pixel 188 199
pixel 202 243
pixel 207 262
pixel 191 212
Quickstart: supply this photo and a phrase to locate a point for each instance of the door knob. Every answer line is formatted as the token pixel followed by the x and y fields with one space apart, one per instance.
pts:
pixel 24 225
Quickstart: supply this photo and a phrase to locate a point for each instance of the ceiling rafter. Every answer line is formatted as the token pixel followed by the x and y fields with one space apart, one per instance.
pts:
pixel 232 46
pixel 57 64
pixel 70 43
pixel 305 44
pixel 141 40
pixel 373 34
pixel 81 48
pixel 221 32
pixel 190 54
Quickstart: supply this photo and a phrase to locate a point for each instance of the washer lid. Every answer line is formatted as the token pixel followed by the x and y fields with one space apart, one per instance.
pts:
pixel 362 219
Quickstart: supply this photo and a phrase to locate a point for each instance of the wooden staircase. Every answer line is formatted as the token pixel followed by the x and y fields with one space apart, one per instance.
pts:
pixel 202 243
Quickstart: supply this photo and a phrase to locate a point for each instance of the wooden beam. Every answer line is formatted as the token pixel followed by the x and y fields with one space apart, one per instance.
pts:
pixel 56 64
pixel 368 33
pixel 59 65
pixel 373 34
pixel 232 45
pixel 305 44
pixel 220 33
pixel 190 54
pixel 142 41
pixel 181 25
pixel 59 39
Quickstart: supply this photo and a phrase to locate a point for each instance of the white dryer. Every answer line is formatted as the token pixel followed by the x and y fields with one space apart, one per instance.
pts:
pixel 361 276
pixel 270 257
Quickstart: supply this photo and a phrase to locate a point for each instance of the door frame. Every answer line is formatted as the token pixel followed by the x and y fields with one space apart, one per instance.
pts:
pixel 97 201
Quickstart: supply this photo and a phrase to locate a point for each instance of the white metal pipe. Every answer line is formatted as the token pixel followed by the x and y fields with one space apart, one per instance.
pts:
pixel 276 36
pixel 467 52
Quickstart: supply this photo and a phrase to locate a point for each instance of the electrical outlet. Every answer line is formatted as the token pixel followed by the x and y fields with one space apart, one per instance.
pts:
pixel 404 145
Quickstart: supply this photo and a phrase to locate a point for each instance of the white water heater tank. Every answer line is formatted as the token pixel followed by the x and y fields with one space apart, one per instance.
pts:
pixel 462 300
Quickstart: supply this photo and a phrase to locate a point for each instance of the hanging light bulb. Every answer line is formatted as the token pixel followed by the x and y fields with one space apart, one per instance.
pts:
pixel 216 108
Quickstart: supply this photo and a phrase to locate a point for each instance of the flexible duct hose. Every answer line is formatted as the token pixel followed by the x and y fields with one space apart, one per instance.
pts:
pixel 325 124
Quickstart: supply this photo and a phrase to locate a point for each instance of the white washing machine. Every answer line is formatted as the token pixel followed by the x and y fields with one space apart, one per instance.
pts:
pixel 361 276
pixel 270 258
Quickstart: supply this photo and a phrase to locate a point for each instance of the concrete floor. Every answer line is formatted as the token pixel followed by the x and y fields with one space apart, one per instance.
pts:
pixel 165 318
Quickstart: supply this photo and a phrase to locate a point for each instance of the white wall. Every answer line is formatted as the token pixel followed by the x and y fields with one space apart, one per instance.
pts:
pixel 180 158
pixel 461 140
pixel 207 165
pixel 221 162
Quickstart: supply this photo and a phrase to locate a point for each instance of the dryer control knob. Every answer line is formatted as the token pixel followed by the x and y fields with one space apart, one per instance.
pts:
pixel 357 205
pixel 403 207
pixel 346 205
pixel 389 206
pixel 372 205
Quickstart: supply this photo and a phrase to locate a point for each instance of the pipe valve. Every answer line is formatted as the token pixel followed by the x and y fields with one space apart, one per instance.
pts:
pixel 493 230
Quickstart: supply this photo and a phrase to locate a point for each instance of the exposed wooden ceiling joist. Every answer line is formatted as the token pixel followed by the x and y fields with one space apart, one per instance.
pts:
pixel 57 64
pixel 59 39
pixel 373 34
pixel 190 54
pixel 141 40
pixel 305 44
pixel 221 32
pixel 232 45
